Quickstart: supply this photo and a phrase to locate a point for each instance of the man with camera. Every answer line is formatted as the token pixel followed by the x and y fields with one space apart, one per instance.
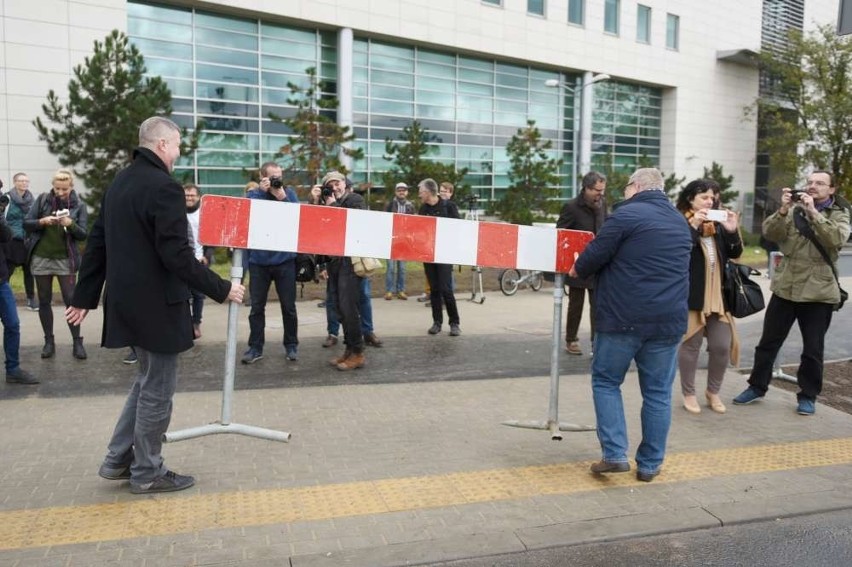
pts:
pixel 809 227
pixel 268 267
pixel 585 212
pixel 344 286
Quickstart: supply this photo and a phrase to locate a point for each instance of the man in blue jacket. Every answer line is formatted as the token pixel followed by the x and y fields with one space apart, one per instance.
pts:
pixel 267 267
pixel 641 259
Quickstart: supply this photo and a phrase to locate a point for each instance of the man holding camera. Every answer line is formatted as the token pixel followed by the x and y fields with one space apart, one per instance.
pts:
pixel 344 286
pixel 809 227
pixel 585 212
pixel 267 267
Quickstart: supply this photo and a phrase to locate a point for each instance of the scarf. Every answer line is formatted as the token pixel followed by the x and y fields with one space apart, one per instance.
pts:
pixel 708 228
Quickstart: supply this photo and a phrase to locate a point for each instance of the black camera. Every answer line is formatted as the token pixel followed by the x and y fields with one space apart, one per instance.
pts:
pixel 796 195
pixel 326 191
pixel 276 182
pixel 4 202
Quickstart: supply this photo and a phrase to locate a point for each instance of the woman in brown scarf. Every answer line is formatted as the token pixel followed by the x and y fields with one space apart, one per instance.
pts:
pixel 714 242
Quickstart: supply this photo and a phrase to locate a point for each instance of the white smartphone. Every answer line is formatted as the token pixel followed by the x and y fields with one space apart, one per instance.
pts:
pixel 62 213
pixel 717 215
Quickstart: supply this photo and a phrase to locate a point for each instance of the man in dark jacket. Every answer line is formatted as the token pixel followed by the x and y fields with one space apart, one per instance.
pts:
pixel 267 267
pixel 641 259
pixel 138 247
pixel 584 212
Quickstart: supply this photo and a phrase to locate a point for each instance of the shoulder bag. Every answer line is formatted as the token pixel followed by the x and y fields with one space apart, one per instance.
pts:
pixel 743 297
pixel 365 266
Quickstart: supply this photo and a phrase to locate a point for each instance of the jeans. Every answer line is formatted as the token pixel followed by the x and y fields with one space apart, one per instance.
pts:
pixel 196 305
pixel 395 276
pixel 365 307
pixel 814 320
pixel 138 437
pixel 11 327
pixel 261 277
pixel 656 359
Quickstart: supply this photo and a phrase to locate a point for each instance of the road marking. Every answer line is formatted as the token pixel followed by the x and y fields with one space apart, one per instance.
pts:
pixel 171 514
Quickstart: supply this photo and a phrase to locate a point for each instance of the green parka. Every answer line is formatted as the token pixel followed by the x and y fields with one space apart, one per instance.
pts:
pixel 803 275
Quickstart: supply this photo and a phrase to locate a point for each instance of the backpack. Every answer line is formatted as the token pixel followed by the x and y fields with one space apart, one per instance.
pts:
pixel 306 268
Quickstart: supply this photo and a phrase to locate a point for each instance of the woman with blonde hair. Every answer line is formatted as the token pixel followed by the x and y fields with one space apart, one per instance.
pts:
pixel 714 242
pixel 57 223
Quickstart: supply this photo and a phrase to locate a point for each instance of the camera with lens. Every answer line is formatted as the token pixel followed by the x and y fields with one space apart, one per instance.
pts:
pixel 471 200
pixel 276 182
pixel 326 191
pixel 4 201
pixel 796 195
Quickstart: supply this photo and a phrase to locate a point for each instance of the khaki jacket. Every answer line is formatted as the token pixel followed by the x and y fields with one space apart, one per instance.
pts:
pixel 803 275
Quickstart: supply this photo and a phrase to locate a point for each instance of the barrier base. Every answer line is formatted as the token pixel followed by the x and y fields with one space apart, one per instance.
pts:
pixel 216 428
pixel 554 427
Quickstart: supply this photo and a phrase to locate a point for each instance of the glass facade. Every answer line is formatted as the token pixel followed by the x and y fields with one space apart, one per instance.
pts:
pixel 233 72
pixel 643 24
pixel 626 124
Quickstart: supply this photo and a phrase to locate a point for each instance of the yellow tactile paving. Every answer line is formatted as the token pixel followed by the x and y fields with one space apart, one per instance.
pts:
pixel 182 514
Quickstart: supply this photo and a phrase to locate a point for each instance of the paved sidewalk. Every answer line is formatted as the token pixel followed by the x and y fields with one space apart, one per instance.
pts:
pixel 393 473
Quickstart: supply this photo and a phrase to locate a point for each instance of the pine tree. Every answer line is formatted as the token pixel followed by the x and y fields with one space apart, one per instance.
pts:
pixel 411 163
pixel 726 195
pixel 96 131
pixel 317 142
pixel 533 177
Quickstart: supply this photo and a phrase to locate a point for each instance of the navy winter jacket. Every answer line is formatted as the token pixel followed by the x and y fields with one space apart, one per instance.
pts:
pixel 641 258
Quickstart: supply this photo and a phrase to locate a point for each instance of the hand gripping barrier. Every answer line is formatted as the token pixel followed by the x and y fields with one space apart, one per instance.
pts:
pixel 241 223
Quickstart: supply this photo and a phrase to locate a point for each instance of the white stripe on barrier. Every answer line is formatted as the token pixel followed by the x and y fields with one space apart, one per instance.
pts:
pixel 273 226
pixel 368 234
pixel 456 242
pixel 536 248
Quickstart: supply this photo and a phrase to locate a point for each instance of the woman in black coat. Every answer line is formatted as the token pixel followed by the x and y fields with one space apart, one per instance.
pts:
pixel 57 222
pixel 714 242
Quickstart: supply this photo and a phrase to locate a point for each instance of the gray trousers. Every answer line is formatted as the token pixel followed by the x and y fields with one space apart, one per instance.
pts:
pixel 718 335
pixel 138 436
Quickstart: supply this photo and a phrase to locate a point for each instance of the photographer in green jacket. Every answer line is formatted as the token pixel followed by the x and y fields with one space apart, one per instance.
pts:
pixel 810 227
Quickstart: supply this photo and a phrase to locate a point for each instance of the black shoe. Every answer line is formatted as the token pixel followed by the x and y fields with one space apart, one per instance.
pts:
pixel 454 330
pixel 114 473
pixel 435 329
pixel 20 376
pixel 646 476
pixel 607 467
pixel 131 357
pixel 169 482
pixel 32 304
pixel 77 350
pixel 251 356
pixel 49 348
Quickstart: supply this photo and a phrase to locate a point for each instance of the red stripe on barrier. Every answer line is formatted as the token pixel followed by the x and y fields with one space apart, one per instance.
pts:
pixel 322 230
pixel 414 238
pixel 498 245
pixel 569 243
pixel 224 221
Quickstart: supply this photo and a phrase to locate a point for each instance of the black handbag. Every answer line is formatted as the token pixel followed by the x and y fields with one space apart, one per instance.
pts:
pixel 306 268
pixel 743 297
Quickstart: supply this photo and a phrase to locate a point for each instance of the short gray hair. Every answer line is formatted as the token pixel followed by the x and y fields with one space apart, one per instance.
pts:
pixel 647 179
pixel 429 184
pixel 155 128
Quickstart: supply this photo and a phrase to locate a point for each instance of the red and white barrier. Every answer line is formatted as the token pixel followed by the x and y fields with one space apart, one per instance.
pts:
pixel 288 227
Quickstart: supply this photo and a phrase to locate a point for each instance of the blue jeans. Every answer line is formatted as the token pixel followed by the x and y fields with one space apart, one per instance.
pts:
pixel 365 306
pixel 11 327
pixel 196 305
pixel 395 276
pixel 656 361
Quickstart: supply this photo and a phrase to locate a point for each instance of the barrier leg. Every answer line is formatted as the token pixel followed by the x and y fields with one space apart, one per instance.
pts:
pixel 552 423
pixel 225 425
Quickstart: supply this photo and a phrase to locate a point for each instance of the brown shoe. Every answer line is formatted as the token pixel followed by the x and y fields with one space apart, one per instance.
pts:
pixel 338 359
pixel 330 341
pixel 372 340
pixel 388 296
pixel 609 467
pixel 573 347
pixel 355 360
pixel 402 295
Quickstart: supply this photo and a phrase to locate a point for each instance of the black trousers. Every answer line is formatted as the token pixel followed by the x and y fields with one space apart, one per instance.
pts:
pixel 576 296
pixel 345 287
pixel 440 278
pixel 814 320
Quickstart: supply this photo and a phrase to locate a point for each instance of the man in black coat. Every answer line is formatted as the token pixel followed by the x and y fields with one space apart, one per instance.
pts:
pixel 586 211
pixel 138 247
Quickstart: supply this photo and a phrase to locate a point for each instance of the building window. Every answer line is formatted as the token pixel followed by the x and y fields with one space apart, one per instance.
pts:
pixel 612 9
pixel 535 7
pixel 494 2
pixel 576 11
pixel 673 31
pixel 643 24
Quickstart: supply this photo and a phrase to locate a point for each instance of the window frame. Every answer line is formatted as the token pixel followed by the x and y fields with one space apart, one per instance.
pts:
pixel 543 13
pixel 616 14
pixel 640 9
pixel 578 5
pixel 673 45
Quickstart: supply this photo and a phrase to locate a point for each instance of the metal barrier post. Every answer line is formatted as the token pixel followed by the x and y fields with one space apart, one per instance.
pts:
pixel 553 424
pixel 225 425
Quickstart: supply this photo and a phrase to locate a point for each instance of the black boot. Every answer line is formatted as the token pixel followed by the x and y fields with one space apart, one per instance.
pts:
pixel 77 350
pixel 49 347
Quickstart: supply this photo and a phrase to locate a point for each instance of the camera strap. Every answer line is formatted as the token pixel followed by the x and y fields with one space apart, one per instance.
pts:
pixel 806 230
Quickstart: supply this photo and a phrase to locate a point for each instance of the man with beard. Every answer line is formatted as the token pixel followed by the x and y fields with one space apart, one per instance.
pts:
pixel 193 204
pixel 586 211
